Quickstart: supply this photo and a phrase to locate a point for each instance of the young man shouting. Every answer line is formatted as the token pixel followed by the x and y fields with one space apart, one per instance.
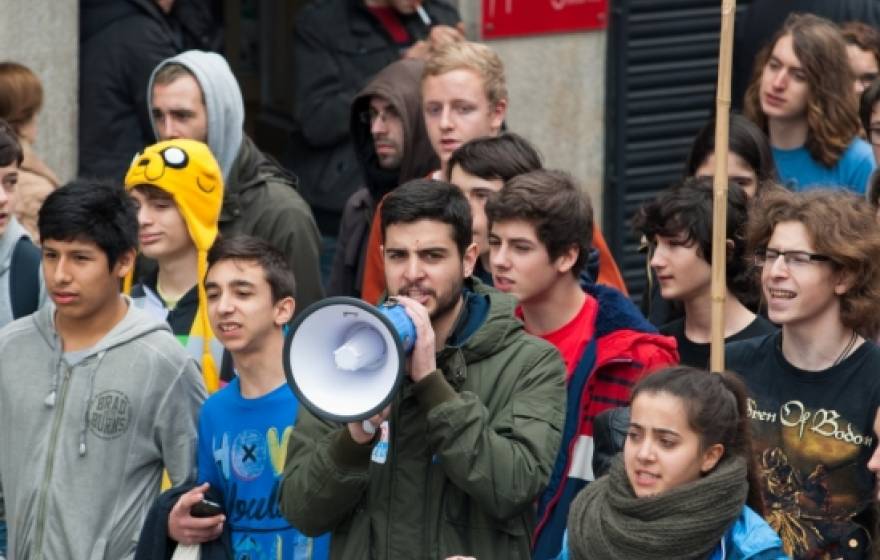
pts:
pixel 472 434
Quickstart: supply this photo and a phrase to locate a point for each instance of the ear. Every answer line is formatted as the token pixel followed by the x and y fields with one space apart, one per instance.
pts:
pixel 566 260
pixel 499 112
pixel 711 457
pixel 843 281
pixel 124 263
pixel 469 259
pixel 283 310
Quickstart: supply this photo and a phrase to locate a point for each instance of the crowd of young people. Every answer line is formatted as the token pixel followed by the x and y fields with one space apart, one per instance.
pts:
pixel 525 336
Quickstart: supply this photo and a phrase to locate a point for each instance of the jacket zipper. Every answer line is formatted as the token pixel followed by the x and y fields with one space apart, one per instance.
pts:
pixel 50 461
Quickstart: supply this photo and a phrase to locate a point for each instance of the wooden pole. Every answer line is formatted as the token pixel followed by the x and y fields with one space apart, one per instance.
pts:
pixel 719 198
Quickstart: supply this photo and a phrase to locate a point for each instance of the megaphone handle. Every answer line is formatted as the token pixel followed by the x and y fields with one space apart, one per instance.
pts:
pixel 368 427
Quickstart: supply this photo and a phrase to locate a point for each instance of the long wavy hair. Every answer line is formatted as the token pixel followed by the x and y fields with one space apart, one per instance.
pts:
pixel 832 114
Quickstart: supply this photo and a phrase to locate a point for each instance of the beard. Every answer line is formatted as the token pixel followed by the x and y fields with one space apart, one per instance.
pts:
pixel 445 301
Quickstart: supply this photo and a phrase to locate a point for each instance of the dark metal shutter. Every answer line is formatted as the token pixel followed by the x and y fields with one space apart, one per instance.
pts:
pixel 662 73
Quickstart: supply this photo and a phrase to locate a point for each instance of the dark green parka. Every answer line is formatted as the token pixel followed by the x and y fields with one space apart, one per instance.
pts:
pixel 470 448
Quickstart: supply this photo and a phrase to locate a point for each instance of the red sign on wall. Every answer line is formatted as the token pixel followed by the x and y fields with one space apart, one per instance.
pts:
pixel 512 18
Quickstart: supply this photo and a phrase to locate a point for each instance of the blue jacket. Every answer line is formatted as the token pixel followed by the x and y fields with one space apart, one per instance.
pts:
pixel 749 538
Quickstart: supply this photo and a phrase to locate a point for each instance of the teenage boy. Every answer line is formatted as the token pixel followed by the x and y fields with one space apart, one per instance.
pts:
pixel 178 187
pixel 110 399
pixel 471 436
pixel 539 238
pixel 678 227
pixel 21 284
pixel 814 384
pixel 244 428
pixel 481 167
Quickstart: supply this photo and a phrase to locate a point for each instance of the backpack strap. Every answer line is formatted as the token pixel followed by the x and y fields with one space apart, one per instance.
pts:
pixel 24 280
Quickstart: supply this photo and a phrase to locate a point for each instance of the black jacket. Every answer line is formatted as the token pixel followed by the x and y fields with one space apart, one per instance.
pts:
pixel 339 46
pixel 121 41
pixel 154 542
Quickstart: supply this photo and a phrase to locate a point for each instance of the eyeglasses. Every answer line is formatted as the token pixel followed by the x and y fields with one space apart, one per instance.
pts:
pixel 369 116
pixel 793 259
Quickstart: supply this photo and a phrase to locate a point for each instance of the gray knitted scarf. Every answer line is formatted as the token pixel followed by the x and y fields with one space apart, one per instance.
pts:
pixel 607 521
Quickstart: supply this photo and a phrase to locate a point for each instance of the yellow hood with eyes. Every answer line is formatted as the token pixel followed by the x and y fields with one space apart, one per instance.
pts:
pixel 188 172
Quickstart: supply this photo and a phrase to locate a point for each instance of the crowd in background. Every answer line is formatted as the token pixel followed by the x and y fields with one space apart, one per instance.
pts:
pixel 146 307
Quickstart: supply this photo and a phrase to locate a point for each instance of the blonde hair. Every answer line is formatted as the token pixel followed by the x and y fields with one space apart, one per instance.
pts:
pixel 477 57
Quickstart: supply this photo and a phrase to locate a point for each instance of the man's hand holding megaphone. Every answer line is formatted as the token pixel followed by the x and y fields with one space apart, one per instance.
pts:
pixel 423 359
pixel 422 362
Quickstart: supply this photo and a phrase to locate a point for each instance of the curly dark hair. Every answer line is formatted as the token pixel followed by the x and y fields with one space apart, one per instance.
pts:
pixel 686 208
pixel 843 226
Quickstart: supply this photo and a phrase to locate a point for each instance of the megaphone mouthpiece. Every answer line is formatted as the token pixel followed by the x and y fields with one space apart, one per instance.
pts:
pixel 363 347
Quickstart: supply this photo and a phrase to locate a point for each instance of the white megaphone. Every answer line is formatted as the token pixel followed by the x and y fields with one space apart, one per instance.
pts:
pixel 345 359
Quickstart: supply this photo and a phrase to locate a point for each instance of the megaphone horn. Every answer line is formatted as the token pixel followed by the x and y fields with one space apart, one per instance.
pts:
pixel 344 359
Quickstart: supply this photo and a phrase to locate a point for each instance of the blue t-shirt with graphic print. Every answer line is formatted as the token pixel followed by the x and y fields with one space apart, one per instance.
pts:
pixel 242 449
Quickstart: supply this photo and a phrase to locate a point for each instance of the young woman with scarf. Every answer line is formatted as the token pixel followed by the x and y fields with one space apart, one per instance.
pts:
pixel 681 487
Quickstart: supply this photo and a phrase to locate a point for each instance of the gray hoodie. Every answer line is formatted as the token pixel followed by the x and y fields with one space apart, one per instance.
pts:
pixel 84 446
pixel 223 103
pixel 14 232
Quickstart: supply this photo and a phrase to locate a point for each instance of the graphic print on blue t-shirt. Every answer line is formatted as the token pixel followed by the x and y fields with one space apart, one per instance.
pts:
pixel 242 449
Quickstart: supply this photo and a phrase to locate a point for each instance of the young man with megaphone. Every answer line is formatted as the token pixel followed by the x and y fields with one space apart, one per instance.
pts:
pixel 471 436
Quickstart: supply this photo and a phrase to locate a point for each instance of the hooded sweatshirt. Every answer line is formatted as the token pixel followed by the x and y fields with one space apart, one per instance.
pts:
pixel 85 438
pixel 223 103
pixel 14 232
pixel 399 83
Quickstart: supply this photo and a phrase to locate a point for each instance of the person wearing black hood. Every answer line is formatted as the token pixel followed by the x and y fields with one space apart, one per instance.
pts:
pixel 121 41
pixel 392 146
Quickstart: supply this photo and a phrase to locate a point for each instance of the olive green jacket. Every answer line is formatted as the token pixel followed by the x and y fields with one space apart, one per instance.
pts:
pixel 470 449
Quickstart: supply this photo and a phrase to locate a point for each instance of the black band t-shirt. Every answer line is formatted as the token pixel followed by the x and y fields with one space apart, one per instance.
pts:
pixel 812 439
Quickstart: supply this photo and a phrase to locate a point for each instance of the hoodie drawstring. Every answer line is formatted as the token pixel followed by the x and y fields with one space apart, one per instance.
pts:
pixel 50 399
pixel 88 401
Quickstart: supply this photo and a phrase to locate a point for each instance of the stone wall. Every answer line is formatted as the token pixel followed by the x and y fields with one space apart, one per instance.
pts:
pixel 557 96
pixel 44 36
